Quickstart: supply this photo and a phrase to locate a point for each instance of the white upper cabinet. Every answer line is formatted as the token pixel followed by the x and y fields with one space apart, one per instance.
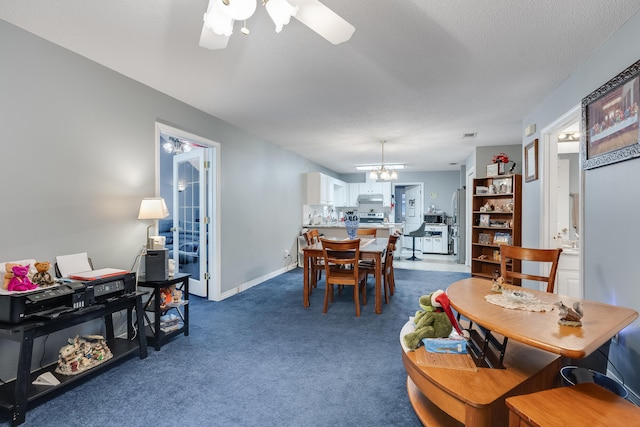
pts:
pixel 383 188
pixel 325 190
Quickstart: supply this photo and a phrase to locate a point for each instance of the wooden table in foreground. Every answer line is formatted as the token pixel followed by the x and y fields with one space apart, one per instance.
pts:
pixel 541 329
pixel 369 249
pixel 454 397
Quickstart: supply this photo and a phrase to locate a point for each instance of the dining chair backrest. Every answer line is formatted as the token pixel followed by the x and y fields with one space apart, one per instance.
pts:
pixel 341 268
pixel 516 254
pixel 370 232
pixel 312 236
pixel 344 253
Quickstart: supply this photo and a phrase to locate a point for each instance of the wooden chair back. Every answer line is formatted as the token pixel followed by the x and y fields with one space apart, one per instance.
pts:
pixel 312 236
pixel 517 254
pixel 368 232
pixel 341 268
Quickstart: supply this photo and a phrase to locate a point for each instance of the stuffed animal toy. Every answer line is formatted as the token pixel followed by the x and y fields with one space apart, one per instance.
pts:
pixel 42 277
pixel 166 297
pixel 435 320
pixel 8 275
pixel 20 281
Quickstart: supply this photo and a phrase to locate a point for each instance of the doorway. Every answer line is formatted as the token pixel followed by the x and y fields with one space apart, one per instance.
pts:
pixel 409 209
pixel 561 187
pixel 187 178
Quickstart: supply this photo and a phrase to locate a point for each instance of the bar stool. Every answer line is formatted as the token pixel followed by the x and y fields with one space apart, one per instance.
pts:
pixel 420 232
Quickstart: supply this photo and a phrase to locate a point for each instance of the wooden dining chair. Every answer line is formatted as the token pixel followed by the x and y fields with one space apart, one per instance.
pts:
pixel 516 254
pixel 317 263
pixel 341 268
pixel 388 277
pixel 367 232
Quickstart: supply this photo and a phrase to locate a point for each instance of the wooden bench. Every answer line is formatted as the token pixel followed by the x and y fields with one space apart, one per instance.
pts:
pixel 558 406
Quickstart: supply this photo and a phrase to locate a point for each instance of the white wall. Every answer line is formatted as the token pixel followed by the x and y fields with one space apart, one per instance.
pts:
pixel 611 198
pixel 78 156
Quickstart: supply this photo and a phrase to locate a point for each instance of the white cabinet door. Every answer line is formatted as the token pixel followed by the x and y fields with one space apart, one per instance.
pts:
pixel 427 244
pixel 326 189
pixel 314 189
pixel 354 192
pixel 568 276
pixel 386 193
pixel 439 246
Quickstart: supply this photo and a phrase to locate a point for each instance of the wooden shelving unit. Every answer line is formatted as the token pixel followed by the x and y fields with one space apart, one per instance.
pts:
pixel 497 219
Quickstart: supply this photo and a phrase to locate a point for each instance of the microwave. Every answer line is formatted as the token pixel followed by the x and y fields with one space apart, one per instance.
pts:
pixel 431 218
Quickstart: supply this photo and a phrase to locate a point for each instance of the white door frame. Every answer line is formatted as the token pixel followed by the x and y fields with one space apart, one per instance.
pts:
pixel 549 180
pixel 214 245
pixel 471 174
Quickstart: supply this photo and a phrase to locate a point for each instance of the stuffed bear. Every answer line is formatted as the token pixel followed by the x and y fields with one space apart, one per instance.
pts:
pixel 42 277
pixel 435 320
pixel 20 281
pixel 8 275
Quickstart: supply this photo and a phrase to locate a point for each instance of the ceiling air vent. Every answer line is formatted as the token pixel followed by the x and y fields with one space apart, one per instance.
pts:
pixel 469 135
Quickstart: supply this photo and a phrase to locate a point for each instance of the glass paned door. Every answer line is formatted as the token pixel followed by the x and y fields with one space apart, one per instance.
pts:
pixel 190 218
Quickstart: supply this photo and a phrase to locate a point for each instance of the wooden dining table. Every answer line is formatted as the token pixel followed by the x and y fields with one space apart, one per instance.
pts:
pixel 370 249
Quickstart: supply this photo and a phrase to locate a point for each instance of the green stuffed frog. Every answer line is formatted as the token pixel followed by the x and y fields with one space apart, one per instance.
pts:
pixel 434 320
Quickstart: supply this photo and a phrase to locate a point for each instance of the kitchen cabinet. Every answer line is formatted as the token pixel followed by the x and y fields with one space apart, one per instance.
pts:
pixel 436 240
pixel 354 192
pixel 321 189
pixel 340 192
pixel 383 188
pixel 568 275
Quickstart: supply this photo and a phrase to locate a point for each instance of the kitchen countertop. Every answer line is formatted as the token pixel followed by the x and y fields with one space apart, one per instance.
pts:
pixel 362 225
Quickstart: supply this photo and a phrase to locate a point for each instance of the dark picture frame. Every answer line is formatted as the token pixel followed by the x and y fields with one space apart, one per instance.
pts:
pixel 531 161
pixel 610 121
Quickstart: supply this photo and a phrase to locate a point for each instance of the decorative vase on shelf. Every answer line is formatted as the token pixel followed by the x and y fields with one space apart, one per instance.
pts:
pixel 351 222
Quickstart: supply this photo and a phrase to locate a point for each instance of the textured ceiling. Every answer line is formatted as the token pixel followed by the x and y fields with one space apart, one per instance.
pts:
pixel 418 74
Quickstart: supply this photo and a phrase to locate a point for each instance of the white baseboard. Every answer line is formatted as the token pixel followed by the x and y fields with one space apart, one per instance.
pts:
pixel 248 285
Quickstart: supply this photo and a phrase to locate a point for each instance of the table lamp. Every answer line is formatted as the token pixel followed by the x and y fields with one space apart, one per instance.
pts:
pixel 152 208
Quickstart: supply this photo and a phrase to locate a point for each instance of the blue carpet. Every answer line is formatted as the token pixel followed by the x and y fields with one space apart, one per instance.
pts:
pixel 261 359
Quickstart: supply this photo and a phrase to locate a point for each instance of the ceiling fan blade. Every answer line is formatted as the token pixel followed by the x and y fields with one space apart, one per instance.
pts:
pixel 323 21
pixel 211 40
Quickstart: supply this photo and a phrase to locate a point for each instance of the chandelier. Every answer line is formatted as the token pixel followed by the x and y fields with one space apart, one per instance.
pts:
pixel 176 146
pixel 382 171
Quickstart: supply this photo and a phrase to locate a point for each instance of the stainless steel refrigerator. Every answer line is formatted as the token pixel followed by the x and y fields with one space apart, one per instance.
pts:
pixel 458 209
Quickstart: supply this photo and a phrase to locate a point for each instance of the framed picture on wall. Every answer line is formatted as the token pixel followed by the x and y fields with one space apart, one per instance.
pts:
pixel 610 120
pixel 531 161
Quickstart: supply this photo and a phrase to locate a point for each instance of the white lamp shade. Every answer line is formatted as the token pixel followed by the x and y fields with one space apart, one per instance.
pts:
pixel 153 208
pixel 280 12
pixel 237 10
pixel 217 21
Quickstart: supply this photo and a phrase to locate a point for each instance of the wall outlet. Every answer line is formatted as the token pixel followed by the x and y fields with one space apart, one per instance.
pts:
pixel 286 253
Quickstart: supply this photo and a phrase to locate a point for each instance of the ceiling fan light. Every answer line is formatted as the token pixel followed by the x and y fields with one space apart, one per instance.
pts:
pixel 238 10
pixel 167 147
pixel 218 22
pixel 280 12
